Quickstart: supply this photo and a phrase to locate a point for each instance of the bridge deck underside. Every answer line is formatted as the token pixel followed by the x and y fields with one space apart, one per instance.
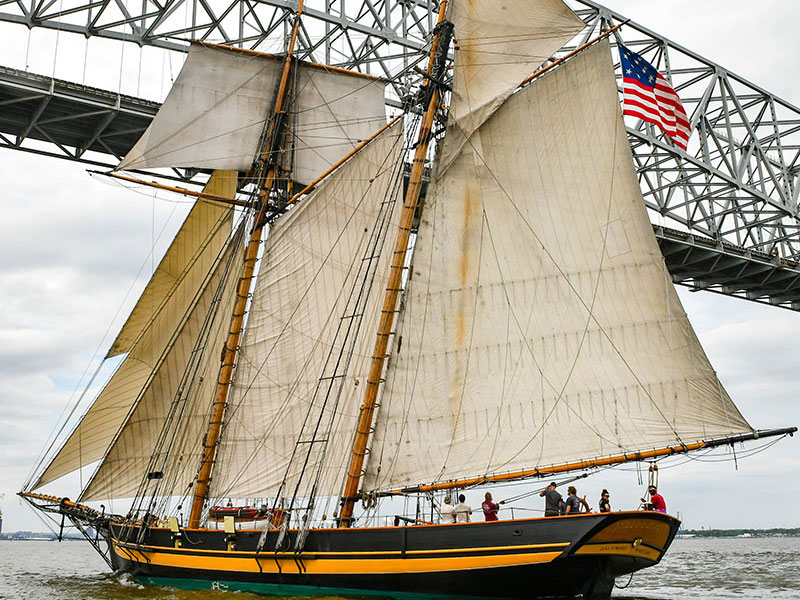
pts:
pixel 63 119
pixel 90 125
pixel 704 264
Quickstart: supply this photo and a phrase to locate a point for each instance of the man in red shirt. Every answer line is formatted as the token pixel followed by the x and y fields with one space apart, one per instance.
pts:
pixel 656 500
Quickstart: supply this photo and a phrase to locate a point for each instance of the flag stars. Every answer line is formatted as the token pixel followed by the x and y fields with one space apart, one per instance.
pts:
pixel 648 96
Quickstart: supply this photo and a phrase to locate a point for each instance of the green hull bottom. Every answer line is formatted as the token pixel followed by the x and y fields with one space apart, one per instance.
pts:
pixel 272 589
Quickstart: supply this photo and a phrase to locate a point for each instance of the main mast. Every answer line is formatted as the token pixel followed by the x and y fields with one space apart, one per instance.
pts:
pixel 434 76
pixel 230 350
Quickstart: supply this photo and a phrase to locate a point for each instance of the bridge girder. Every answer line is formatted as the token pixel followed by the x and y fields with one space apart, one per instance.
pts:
pixel 737 184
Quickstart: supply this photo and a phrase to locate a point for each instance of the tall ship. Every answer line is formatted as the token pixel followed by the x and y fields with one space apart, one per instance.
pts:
pixel 360 312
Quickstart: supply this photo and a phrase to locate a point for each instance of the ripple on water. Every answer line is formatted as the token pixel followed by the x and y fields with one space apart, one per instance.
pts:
pixel 694 569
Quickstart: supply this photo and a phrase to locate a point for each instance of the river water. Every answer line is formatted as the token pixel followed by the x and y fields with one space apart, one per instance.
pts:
pixel 694 569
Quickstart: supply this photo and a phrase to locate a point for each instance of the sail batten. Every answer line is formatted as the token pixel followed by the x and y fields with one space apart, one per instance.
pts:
pixel 540 325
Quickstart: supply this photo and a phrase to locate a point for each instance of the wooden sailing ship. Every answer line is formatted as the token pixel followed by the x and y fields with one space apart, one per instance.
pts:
pixel 534 331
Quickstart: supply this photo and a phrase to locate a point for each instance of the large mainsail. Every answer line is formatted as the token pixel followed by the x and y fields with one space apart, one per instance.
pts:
pixel 540 325
pixel 215 113
pixel 163 306
pixel 498 44
pixel 311 263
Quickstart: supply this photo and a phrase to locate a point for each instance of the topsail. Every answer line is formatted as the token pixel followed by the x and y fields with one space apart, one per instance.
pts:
pixel 214 115
pixel 498 44
pixel 534 327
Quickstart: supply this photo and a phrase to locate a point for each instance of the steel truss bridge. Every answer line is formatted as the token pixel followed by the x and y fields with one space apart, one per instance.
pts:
pixel 730 202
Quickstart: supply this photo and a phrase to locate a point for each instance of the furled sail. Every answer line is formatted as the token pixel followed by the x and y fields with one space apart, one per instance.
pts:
pixel 498 44
pixel 310 265
pixel 218 87
pixel 166 299
pixel 540 325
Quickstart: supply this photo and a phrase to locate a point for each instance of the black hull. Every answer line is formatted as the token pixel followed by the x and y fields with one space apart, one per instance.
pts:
pixel 532 558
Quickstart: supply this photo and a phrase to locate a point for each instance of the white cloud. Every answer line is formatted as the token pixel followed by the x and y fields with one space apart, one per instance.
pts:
pixel 70 245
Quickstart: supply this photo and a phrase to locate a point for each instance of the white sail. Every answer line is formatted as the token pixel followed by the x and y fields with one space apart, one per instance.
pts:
pixel 216 111
pixel 189 245
pixel 310 265
pixel 197 343
pixel 165 301
pixel 497 44
pixel 540 325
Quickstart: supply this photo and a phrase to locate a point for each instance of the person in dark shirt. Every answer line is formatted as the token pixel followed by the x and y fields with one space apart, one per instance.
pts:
pixel 552 501
pixel 573 503
pixel 605 504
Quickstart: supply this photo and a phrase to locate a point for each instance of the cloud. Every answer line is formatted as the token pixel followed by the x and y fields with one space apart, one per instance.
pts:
pixel 71 244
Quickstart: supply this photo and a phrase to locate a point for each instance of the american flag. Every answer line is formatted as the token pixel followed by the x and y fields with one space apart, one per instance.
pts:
pixel 648 95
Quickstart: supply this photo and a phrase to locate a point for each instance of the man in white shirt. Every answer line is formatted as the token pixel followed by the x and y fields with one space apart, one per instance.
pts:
pixel 463 511
pixel 448 511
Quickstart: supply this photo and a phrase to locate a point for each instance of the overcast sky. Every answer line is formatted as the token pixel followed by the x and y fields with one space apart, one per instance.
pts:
pixel 71 244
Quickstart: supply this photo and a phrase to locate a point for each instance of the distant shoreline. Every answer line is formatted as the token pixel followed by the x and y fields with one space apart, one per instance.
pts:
pixel 739 533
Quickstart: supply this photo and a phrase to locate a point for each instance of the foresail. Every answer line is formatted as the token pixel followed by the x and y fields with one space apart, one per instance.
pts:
pixel 308 272
pixel 216 112
pixel 183 383
pixel 190 244
pixel 147 332
pixel 498 44
pixel 540 325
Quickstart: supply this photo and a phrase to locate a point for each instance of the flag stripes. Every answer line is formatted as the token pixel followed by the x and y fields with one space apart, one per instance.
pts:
pixel 646 94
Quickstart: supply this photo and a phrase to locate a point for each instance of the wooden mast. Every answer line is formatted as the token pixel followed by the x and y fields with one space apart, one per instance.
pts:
pixel 231 347
pixel 436 63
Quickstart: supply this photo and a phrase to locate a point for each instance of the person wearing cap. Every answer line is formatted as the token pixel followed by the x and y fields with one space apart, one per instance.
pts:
pixel 605 504
pixel 656 500
pixel 448 510
pixel 552 501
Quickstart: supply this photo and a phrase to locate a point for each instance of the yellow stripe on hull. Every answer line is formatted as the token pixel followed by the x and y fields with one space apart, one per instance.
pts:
pixel 321 566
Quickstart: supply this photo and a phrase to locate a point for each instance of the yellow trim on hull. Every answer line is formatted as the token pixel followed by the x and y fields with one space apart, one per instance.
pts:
pixel 622 549
pixel 317 566
pixel 652 532
pixel 292 555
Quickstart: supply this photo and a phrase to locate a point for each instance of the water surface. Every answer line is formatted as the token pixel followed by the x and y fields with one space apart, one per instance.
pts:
pixel 694 569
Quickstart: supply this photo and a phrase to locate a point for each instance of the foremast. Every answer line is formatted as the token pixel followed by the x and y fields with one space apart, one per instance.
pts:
pixel 274 136
pixel 433 80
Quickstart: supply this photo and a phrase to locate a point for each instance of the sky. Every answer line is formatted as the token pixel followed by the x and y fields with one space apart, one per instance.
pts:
pixel 71 245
